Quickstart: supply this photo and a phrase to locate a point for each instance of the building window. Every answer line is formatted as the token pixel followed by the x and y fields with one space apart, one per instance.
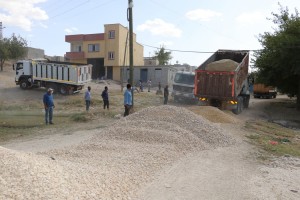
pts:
pixel 94 47
pixel 111 55
pixel 111 34
pixel 76 48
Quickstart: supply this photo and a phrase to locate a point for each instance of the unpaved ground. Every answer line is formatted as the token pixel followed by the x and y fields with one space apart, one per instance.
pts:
pixel 230 172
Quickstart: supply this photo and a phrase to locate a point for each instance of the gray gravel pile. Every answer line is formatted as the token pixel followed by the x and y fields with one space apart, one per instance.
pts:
pixel 115 162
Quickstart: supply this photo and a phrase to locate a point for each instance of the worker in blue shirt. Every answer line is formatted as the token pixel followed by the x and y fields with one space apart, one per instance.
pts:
pixel 49 106
pixel 127 100
pixel 87 98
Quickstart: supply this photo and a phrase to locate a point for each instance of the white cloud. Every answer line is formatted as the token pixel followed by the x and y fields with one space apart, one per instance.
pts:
pixel 71 30
pixel 202 15
pixel 160 27
pixel 251 18
pixel 22 13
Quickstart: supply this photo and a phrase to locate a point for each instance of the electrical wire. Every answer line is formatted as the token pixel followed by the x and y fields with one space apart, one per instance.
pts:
pixel 73 8
pixel 85 11
pixel 186 51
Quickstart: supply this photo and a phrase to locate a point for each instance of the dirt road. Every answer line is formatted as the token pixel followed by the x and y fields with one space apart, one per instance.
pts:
pixel 231 172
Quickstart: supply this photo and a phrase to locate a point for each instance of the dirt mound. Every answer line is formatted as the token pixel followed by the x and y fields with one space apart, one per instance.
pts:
pixel 213 114
pixel 115 162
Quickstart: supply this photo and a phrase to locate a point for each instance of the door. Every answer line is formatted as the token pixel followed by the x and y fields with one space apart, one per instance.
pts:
pixel 98 70
pixel 109 72
pixel 144 75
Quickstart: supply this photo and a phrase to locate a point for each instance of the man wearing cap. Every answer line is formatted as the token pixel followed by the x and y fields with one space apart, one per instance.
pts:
pixel 49 105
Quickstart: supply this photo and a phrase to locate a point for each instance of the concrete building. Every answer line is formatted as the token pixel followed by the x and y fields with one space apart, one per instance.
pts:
pixel 107 51
pixel 150 61
pixel 160 73
pixel 55 58
pixel 33 53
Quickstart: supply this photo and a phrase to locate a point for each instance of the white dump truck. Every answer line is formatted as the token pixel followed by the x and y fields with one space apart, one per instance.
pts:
pixel 64 78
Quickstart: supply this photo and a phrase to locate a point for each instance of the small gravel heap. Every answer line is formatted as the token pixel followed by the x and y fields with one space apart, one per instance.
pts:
pixel 115 162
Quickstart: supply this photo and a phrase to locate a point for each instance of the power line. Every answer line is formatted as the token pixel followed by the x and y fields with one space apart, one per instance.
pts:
pixel 187 51
pixel 70 9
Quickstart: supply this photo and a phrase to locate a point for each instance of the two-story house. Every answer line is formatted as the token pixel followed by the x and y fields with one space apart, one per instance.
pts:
pixel 107 51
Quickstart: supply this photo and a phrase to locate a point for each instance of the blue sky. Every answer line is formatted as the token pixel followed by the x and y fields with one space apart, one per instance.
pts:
pixel 184 25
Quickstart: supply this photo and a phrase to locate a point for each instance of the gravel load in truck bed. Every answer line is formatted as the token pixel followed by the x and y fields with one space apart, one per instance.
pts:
pixel 226 65
pixel 115 162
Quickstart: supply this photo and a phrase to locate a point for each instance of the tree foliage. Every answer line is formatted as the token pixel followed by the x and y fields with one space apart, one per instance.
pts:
pixel 12 48
pixel 278 63
pixel 163 56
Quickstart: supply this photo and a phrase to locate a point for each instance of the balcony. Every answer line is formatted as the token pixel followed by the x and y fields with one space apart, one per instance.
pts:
pixel 75 55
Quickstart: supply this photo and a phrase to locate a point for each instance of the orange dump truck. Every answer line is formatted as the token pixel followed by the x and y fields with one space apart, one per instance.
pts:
pixel 263 91
pixel 222 80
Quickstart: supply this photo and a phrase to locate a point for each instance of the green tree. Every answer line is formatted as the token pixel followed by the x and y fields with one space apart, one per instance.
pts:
pixel 163 56
pixel 12 48
pixel 278 63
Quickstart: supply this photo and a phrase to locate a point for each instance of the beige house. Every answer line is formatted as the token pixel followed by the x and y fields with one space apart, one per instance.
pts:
pixel 107 51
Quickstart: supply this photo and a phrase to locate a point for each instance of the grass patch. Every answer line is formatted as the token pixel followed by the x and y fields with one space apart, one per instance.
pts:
pixel 274 138
pixel 79 117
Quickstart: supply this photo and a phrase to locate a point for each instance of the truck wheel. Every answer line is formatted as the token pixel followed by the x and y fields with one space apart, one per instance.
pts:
pixel 274 96
pixel 63 89
pixel 24 84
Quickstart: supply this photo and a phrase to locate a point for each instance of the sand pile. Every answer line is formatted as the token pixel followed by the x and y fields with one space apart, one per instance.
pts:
pixel 226 65
pixel 115 162
pixel 213 114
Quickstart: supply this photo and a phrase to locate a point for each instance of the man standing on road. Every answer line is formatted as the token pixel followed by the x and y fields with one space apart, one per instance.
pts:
pixel 149 85
pixel 166 94
pixel 105 98
pixel 87 97
pixel 127 100
pixel 49 106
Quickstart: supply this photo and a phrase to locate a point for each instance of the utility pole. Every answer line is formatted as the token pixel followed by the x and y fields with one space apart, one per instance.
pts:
pixel 1 32
pixel 129 18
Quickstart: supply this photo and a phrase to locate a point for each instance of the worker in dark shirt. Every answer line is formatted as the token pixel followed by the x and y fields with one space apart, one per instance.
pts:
pixel 105 98
pixel 166 94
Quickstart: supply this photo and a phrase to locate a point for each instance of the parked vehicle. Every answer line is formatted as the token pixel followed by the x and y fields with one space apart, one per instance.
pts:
pixel 263 91
pixel 222 80
pixel 65 78
pixel 183 86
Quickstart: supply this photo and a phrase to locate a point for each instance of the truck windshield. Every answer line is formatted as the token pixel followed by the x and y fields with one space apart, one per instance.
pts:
pixel 19 66
pixel 184 79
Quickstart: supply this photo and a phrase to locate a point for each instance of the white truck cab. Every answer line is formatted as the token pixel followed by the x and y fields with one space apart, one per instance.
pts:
pixel 183 86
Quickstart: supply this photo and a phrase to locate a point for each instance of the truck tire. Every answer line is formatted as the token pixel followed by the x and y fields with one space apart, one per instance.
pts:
pixel 240 106
pixel 63 89
pixel 24 84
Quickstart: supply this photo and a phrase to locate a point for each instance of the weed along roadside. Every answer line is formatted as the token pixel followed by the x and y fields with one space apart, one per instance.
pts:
pixel 274 139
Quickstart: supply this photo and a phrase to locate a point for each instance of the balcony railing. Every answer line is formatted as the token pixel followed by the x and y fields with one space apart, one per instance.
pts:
pixel 75 55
